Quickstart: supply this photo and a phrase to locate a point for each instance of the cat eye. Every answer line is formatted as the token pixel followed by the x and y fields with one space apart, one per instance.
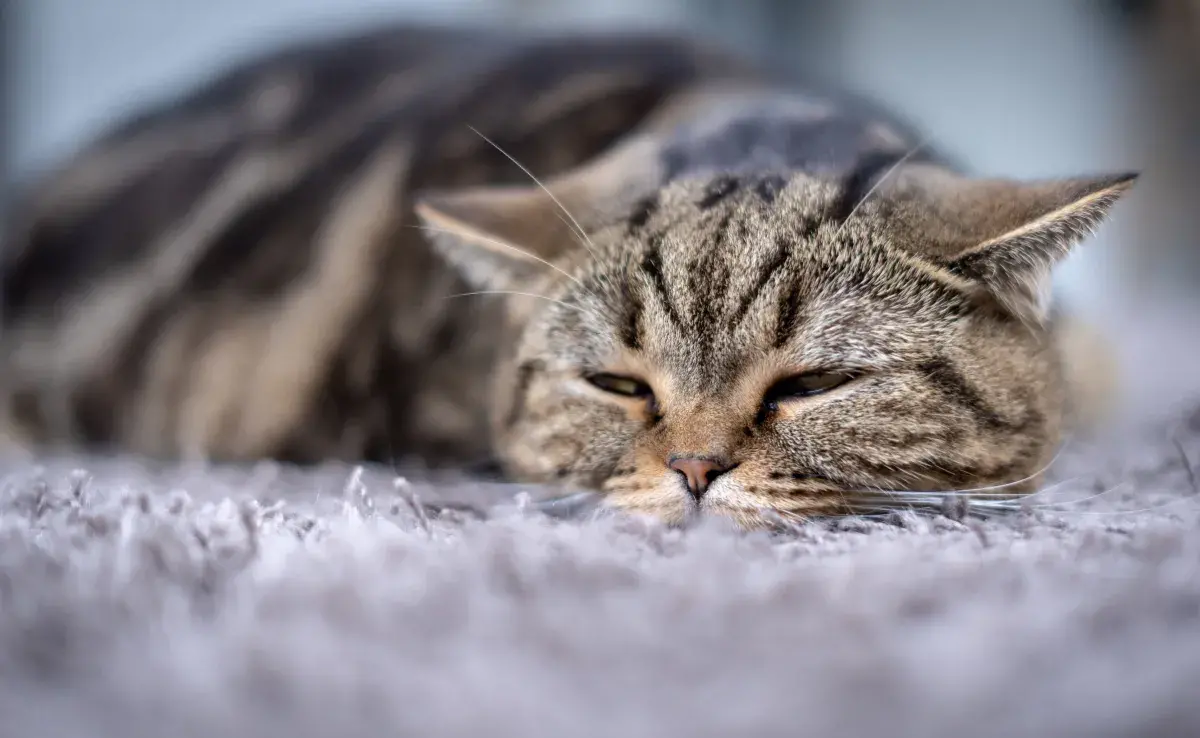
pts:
pixel 618 384
pixel 805 385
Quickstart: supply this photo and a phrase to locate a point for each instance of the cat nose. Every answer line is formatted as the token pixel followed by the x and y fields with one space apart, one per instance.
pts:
pixel 699 472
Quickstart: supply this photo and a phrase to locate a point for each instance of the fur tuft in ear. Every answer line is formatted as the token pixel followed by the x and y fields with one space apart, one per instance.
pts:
pixel 498 238
pixel 1015 266
pixel 1006 236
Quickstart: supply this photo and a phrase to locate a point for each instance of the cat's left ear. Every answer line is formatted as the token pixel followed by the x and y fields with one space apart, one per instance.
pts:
pixel 1006 236
pixel 498 237
pixel 505 236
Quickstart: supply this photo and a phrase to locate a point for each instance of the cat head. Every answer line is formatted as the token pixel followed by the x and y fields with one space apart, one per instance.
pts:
pixel 733 345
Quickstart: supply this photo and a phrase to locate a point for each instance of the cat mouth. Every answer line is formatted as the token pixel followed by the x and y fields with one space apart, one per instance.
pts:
pixel 672 502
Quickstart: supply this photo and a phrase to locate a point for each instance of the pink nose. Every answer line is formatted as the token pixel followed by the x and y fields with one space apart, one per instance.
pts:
pixel 699 472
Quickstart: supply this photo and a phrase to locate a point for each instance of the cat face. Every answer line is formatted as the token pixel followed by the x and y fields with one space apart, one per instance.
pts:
pixel 728 348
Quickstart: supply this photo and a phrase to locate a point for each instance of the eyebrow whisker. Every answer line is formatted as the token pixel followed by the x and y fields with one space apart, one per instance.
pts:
pixel 574 224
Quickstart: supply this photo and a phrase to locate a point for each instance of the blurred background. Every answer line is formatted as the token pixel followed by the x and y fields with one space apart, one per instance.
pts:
pixel 1023 88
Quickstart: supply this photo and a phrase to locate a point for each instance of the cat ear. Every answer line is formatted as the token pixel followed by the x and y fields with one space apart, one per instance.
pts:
pixel 497 237
pixel 1052 218
pixel 1007 236
pixel 500 237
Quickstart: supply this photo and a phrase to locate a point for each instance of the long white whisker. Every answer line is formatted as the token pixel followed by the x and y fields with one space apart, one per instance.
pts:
pixel 497 242
pixel 879 182
pixel 1187 467
pixel 973 491
pixel 580 237
pixel 587 242
pixel 1060 503
pixel 1168 503
pixel 877 499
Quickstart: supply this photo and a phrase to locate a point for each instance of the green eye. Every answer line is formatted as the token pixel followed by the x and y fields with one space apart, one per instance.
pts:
pixel 805 385
pixel 620 385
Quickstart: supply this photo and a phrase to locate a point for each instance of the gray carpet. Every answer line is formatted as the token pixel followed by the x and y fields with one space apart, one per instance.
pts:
pixel 274 602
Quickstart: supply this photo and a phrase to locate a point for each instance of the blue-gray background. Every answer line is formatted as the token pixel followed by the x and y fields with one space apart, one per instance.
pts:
pixel 1020 87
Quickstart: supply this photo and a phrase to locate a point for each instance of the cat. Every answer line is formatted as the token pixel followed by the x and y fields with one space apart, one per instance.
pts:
pixel 635 264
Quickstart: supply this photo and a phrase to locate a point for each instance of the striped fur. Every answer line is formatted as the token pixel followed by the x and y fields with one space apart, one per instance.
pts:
pixel 236 275
pixel 269 267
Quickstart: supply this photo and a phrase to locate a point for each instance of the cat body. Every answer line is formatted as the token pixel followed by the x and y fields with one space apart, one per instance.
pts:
pixel 237 274
pixel 634 264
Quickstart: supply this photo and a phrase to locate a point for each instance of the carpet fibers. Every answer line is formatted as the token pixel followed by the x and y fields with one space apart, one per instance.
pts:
pixel 271 601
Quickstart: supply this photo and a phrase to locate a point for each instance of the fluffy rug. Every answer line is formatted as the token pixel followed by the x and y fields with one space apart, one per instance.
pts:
pixel 180 601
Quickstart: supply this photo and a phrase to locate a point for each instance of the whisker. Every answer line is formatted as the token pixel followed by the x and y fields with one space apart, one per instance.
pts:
pixel 1060 503
pixel 973 491
pixel 778 520
pixel 1138 511
pixel 879 183
pixel 497 242
pixel 983 506
pixel 934 504
pixel 587 242
pixel 870 499
pixel 1192 481
pixel 1096 496
pixel 580 237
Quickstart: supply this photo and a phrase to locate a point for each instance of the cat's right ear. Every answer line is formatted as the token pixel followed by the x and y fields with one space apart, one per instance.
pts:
pixel 1003 237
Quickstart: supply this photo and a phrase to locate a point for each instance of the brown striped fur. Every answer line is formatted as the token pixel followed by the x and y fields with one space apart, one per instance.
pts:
pixel 270 267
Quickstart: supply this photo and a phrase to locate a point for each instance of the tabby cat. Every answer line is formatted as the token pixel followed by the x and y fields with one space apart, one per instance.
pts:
pixel 723 294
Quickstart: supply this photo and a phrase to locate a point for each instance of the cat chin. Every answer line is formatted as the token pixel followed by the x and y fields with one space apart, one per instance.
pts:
pixel 686 514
